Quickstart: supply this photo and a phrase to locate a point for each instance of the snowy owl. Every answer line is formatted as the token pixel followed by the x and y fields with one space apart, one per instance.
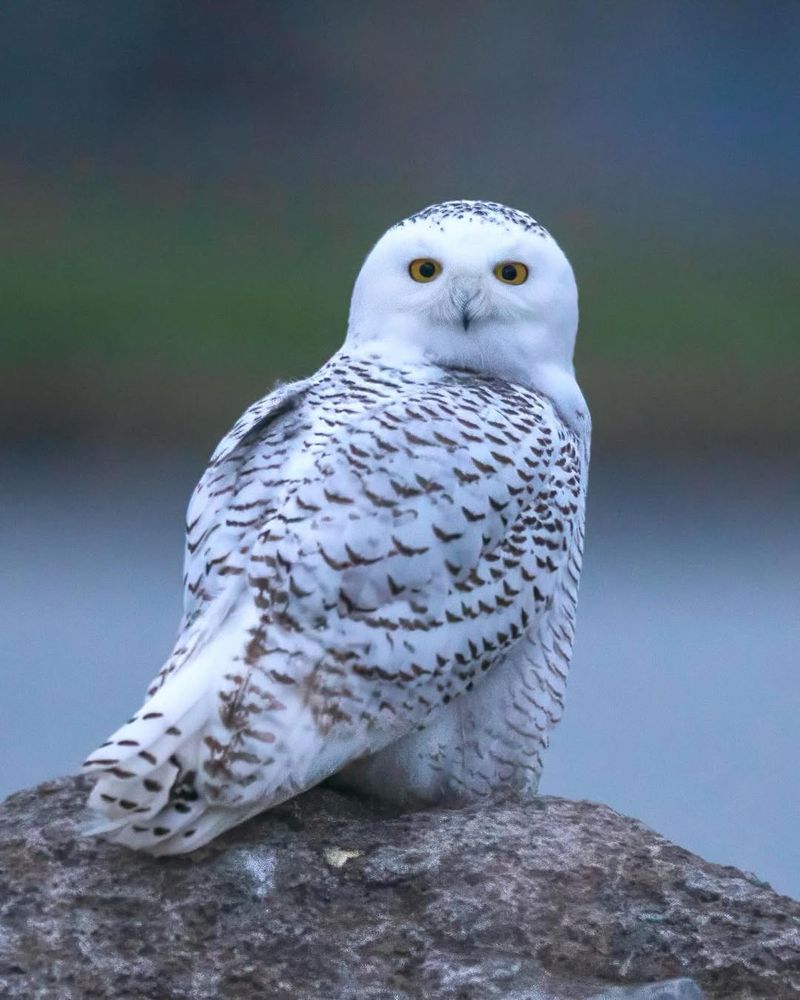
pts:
pixel 382 560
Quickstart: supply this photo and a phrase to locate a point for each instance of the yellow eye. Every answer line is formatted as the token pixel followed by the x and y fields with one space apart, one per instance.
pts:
pixel 424 269
pixel 511 272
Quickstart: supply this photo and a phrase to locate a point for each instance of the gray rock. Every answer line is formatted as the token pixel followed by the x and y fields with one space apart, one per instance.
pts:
pixel 330 898
pixel 673 989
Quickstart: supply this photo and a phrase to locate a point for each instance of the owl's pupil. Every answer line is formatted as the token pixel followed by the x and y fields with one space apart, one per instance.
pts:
pixel 509 272
pixel 427 270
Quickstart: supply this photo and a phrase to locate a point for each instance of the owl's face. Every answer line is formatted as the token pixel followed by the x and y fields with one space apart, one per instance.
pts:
pixel 468 285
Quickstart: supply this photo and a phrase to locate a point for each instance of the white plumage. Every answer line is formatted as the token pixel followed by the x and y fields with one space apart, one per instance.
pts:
pixel 382 560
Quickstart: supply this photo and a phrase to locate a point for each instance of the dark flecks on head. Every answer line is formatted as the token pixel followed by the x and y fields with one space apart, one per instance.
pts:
pixel 479 211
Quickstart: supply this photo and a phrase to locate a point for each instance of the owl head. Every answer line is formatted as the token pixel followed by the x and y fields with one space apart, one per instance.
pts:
pixel 474 286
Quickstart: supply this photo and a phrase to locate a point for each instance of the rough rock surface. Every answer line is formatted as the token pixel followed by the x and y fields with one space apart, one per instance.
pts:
pixel 330 898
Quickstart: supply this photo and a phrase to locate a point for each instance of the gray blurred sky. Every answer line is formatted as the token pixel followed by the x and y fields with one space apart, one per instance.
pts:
pixel 665 109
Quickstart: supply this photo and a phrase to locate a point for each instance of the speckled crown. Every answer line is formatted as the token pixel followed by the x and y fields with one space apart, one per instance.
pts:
pixel 478 211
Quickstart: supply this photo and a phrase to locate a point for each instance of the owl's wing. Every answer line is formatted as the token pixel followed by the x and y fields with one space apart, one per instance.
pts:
pixel 217 517
pixel 223 512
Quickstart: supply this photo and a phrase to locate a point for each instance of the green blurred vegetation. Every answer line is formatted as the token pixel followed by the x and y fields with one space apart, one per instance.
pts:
pixel 222 283
pixel 108 280
pixel 187 192
pixel 174 293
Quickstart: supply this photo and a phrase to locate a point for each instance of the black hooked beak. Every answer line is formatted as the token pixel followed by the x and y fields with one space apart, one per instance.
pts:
pixel 466 316
pixel 464 299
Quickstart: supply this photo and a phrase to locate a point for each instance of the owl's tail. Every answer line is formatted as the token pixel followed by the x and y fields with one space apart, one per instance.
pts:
pixel 146 796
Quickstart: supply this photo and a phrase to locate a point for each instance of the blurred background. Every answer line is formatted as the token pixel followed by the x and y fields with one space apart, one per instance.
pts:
pixel 186 194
